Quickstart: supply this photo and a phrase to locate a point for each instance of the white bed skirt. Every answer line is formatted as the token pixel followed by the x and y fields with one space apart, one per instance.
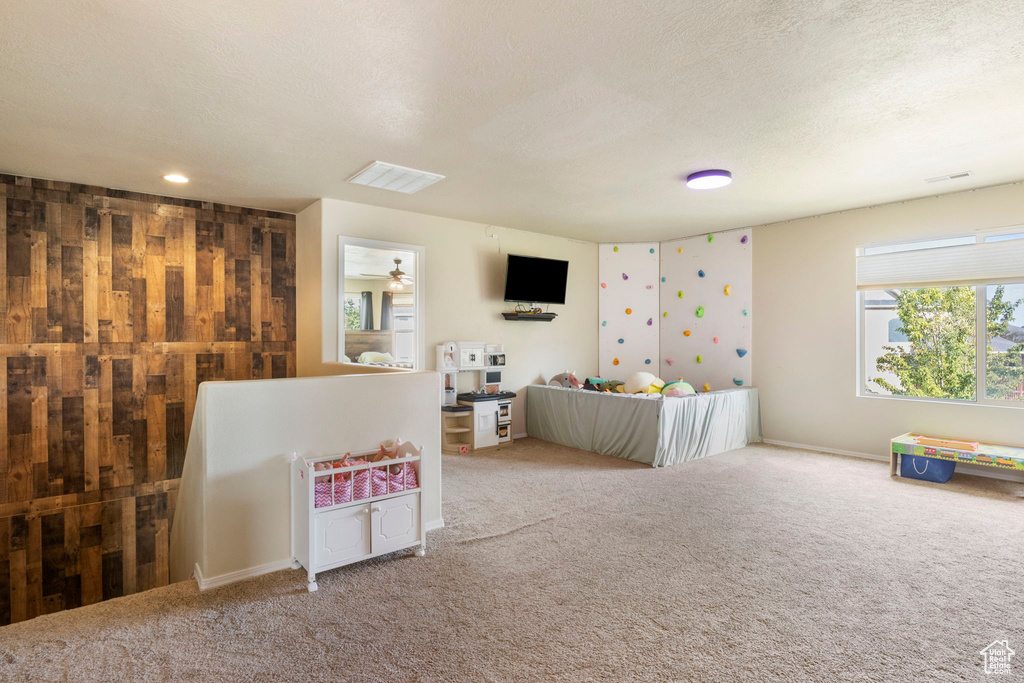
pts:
pixel 654 430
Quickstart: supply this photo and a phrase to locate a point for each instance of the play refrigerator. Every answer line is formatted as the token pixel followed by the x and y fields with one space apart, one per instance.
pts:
pixel 351 508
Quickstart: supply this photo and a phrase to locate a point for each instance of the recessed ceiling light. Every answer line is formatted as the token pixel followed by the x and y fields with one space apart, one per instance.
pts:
pixel 708 180
pixel 176 178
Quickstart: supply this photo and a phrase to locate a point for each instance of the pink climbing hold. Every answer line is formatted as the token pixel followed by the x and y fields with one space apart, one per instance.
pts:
pixel 650 286
pixel 670 361
pixel 604 285
pixel 716 340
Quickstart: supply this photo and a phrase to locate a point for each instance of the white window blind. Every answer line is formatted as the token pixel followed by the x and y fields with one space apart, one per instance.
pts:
pixel 981 263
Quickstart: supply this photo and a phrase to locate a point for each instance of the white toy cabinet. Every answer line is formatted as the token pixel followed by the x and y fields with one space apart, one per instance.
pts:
pixel 345 514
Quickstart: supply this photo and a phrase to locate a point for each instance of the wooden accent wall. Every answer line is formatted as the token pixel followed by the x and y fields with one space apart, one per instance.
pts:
pixel 114 306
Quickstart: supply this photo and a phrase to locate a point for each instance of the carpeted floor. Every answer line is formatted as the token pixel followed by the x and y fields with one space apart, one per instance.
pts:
pixel 761 564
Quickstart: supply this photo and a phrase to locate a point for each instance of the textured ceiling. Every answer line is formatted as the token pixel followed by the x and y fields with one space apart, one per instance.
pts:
pixel 557 116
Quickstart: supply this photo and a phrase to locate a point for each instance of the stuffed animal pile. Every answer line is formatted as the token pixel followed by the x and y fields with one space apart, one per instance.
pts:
pixel 637 383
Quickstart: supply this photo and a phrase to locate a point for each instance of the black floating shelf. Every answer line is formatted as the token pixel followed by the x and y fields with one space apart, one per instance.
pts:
pixel 512 315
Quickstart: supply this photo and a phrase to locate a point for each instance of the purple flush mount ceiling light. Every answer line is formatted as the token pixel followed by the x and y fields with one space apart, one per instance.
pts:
pixel 708 180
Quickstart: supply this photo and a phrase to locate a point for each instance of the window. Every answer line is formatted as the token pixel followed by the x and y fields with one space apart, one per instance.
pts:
pixel 944 319
pixel 353 309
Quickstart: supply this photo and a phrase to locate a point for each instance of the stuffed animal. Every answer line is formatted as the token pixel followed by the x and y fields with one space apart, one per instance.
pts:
pixel 595 384
pixel 566 379
pixel 614 386
pixel 643 383
pixel 678 388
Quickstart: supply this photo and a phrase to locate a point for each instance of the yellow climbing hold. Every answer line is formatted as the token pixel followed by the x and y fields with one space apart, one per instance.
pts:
pixel 728 290
pixel 707 387
pixel 680 250
pixel 629 311
pixel 616 362
pixel 700 359
pixel 615 248
pixel 665 314
pixel 680 295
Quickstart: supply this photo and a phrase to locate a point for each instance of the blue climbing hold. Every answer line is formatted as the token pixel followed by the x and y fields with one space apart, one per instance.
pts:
pixel 741 352
pixel 662 279
pixel 652 251
pixel 737 382
pixel 647 362
pixel 700 273
pixel 604 323
pixel 622 341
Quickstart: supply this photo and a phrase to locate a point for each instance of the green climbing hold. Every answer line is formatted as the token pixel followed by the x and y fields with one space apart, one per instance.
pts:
pixel 680 294
pixel 615 248
pixel 700 359
pixel 700 311
pixel 711 238
pixel 604 323
pixel 745 312
pixel 665 314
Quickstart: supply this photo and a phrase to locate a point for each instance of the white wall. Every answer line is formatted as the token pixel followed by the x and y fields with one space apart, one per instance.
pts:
pixel 805 365
pixel 628 342
pixel 464 291
pixel 725 261
pixel 234 503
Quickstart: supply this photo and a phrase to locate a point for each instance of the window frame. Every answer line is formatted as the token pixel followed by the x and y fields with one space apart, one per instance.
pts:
pixel 981 354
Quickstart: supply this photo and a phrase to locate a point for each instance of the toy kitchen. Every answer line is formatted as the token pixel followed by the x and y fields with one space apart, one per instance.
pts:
pixel 489 405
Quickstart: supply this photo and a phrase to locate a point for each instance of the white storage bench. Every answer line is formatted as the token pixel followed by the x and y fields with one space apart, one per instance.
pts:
pixel 352 512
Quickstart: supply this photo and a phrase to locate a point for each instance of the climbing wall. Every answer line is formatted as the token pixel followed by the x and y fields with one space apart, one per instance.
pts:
pixel 628 306
pixel 706 310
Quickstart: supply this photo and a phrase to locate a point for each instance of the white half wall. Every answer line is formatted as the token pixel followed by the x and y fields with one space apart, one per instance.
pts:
pixel 233 510
pixel 805 365
pixel 628 296
pixel 464 292
pixel 697 272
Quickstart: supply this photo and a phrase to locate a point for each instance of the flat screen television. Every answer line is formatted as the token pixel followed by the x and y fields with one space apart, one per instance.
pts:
pixel 534 280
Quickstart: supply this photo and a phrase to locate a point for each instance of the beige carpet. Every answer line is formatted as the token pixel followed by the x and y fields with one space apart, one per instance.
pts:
pixel 761 564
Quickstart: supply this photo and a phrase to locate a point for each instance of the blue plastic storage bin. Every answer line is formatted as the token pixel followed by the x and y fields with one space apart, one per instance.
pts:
pixel 926 469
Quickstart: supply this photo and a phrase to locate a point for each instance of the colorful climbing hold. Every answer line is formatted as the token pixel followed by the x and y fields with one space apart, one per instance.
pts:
pixel 629 311
pixel 707 387
pixel 741 352
pixel 716 340
pixel 711 238
pixel 650 286
pixel 621 340
pixel 647 362
pixel 615 361
pixel 670 361
pixel 686 333
pixel 604 323
pixel 728 290
pixel 650 321
pixel 744 239
pixel 665 314
pixel 680 295
pixel 700 273
pixel 746 312
pixel 680 250
pixel 662 279
pixel 738 382
pixel 652 250
pixel 700 359
pixel 700 311
pixel 604 285
pixel 625 277
pixel 615 248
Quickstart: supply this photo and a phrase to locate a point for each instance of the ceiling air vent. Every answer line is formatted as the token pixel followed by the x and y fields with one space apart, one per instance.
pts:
pixel 392 177
pixel 951 176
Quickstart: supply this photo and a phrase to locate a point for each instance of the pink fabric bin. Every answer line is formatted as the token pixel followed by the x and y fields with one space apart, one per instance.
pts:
pixel 322 492
pixel 404 479
pixel 380 481
pixel 360 484
pixel 342 490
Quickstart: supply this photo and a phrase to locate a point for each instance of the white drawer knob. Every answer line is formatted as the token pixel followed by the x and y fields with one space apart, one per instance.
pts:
pixel 375 508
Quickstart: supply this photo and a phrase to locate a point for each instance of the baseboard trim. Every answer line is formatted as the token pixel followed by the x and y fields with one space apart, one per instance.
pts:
pixel 436 524
pixel 231 577
pixel 965 468
pixel 520 436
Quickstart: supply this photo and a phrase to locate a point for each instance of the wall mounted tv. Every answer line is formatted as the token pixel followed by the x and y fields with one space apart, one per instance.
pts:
pixel 534 280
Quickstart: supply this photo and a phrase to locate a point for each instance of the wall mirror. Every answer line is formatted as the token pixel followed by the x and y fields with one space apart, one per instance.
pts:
pixel 380 299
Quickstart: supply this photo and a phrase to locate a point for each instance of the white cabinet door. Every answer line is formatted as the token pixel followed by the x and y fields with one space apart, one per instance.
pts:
pixel 342 535
pixel 404 346
pixel 485 421
pixel 396 523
